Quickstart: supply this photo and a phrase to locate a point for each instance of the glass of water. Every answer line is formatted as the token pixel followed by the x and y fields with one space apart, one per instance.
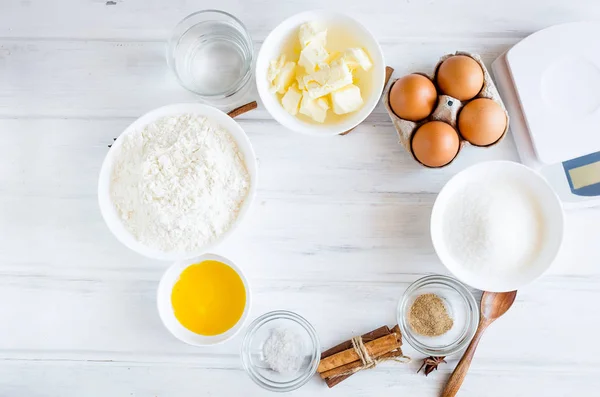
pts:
pixel 211 53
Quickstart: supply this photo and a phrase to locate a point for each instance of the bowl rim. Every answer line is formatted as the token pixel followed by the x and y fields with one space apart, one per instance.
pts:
pixel 108 210
pixel 167 314
pixel 463 291
pixel 547 194
pixel 251 331
pixel 275 38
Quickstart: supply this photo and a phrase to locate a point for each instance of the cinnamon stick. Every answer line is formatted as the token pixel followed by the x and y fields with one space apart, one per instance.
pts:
pixel 388 74
pixel 243 109
pixel 375 348
pixel 358 364
pixel 368 337
pixel 336 380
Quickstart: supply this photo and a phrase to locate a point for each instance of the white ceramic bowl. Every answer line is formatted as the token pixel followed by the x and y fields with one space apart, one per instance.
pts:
pixel 551 210
pixel 108 210
pixel 288 31
pixel 165 308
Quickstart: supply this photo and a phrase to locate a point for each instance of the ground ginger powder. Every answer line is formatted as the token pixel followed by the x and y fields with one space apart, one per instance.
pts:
pixel 428 316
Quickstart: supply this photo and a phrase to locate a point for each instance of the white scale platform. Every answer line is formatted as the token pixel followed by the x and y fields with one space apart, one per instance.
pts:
pixel 550 84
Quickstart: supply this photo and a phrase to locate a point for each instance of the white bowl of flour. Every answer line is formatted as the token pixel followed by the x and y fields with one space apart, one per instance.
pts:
pixel 497 226
pixel 177 181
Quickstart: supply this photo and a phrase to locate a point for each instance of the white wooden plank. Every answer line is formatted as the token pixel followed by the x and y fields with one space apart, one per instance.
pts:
pixel 98 379
pixel 356 199
pixel 114 318
pixel 69 153
pixel 84 79
pixel 390 21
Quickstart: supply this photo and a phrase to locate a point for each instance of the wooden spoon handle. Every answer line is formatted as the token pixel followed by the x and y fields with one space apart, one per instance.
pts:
pixel 243 109
pixel 460 372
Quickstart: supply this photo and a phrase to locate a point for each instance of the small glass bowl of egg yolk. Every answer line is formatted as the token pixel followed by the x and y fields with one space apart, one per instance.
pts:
pixel 203 301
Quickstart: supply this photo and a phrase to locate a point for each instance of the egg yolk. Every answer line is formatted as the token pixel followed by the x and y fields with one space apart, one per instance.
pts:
pixel 209 298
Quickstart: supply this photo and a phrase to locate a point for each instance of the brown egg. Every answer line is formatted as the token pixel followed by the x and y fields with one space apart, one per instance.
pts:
pixel 413 97
pixel 460 76
pixel 482 121
pixel 435 143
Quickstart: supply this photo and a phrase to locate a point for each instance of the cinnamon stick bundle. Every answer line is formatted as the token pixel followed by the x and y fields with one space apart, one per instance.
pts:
pixel 342 361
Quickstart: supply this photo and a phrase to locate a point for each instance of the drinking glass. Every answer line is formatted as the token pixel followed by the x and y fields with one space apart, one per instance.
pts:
pixel 211 54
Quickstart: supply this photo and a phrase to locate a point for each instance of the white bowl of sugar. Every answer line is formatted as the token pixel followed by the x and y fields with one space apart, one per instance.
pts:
pixel 497 226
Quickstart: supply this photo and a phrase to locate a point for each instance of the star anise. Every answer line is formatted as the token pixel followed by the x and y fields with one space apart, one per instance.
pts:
pixel 431 363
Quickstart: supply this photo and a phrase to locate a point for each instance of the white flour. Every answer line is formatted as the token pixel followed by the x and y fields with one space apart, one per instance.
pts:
pixel 178 184
pixel 494 227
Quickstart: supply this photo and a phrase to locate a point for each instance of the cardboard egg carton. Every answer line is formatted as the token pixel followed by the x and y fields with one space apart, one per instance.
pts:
pixel 446 110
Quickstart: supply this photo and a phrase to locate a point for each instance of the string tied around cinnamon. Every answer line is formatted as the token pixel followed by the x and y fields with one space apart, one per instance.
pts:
pixel 367 360
pixel 363 353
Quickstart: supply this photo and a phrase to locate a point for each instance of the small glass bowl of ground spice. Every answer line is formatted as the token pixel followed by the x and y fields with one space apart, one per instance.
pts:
pixel 438 315
pixel 280 351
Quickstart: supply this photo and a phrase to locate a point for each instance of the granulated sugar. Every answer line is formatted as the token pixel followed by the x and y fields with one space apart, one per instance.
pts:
pixel 493 227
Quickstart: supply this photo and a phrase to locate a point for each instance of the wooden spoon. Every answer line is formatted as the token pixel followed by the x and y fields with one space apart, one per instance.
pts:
pixel 493 306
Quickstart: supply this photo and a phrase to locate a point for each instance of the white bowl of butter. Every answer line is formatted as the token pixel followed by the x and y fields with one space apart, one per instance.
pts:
pixel 320 73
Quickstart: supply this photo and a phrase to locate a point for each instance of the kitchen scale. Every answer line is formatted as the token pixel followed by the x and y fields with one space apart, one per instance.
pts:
pixel 550 85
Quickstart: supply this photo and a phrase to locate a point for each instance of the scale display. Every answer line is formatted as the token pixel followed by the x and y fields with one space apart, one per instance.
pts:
pixel 583 174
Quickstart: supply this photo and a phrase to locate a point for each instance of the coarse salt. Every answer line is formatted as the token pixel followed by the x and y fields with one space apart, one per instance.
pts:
pixel 283 350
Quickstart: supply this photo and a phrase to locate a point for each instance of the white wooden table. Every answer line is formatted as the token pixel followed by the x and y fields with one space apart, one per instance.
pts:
pixel 338 230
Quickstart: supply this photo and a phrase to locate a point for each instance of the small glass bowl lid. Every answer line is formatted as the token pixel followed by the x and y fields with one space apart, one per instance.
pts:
pixel 254 360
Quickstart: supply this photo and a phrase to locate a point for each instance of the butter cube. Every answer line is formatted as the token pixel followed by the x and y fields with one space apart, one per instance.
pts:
pixel 312 55
pixel 333 56
pixel 310 34
pixel 291 100
pixel 346 100
pixel 316 109
pixel 357 57
pixel 300 73
pixel 275 67
pixel 284 78
pixel 328 79
pixel 320 77
pixel 340 73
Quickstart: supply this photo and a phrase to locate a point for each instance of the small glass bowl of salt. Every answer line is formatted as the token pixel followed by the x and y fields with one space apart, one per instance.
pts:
pixel 280 351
